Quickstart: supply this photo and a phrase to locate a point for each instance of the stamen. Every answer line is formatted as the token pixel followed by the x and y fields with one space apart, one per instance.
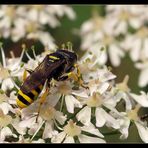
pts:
pixel 28 56
pixel 17 87
pixel 34 54
pixel 25 49
pixel 57 125
pixel 21 57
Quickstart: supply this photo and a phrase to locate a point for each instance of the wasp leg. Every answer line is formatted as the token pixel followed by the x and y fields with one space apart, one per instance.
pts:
pixel 62 78
pixel 80 80
pixel 75 77
pixel 42 99
pixel 29 71
pixel 24 75
pixel 78 70
pixel 67 76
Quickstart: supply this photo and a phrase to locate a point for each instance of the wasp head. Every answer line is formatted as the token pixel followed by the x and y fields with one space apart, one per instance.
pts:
pixel 71 59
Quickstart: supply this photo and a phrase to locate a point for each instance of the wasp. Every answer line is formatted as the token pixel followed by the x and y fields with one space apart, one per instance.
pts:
pixel 58 65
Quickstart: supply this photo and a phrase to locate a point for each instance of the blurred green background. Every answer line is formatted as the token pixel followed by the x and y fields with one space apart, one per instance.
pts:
pixel 64 33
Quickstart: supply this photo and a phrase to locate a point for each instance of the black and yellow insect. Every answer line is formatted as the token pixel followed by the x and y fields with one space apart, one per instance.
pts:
pixel 58 65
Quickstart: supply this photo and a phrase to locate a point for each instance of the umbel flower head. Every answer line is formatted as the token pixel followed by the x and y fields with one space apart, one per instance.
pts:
pixel 29 21
pixel 71 111
pixel 121 30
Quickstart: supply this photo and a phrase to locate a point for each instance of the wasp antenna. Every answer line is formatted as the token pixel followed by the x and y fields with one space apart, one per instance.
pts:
pixel 69 45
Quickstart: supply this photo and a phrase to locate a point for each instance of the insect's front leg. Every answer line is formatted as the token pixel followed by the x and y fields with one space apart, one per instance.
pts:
pixel 75 76
pixel 67 76
pixel 79 77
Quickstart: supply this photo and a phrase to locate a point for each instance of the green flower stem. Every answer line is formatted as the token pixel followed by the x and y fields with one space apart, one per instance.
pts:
pixel 111 133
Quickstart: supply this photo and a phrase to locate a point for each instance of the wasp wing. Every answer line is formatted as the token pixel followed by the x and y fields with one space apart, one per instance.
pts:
pixel 41 73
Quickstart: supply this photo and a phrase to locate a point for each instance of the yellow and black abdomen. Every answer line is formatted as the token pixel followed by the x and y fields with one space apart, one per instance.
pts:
pixel 25 99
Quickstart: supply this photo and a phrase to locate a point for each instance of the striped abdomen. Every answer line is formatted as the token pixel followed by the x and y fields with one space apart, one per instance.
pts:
pixel 24 100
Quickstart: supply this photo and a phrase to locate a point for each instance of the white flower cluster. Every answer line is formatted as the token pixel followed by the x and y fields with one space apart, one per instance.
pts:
pixel 70 113
pixel 122 29
pixel 29 21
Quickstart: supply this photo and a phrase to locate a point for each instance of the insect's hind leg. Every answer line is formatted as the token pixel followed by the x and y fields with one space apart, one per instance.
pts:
pixel 25 73
pixel 43 97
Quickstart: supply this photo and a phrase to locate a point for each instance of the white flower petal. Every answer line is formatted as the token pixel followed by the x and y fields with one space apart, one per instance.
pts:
pixel 143 132
pixel 49 128
pixel 69 139
pixel 87 139
pixel 105 118
pixel 141 99
pixel 28 122
pixel 143 79
pixel 60 117
pixel 84 115
pixel 122 95
pixel 124 127
pixel 91 129
pixel 135 48
pixel 15 124
pixel 80 93
pixel 6 107
pixel 115 54
pixel 135 23
pixel 103 87
pixel 38 141
pixel 7 84
pixel 145 48
pixel 6 132
pixel 58 138
pixel 71 102
pixel 100 118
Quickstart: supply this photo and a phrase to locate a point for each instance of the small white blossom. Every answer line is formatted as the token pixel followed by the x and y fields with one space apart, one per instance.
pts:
pixel 71 129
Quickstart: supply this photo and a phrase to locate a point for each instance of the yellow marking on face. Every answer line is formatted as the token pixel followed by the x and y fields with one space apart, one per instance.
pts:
pixel 20 104
pixel 34 92
pixel 51 60
pixel 27 98
pixel 54 58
